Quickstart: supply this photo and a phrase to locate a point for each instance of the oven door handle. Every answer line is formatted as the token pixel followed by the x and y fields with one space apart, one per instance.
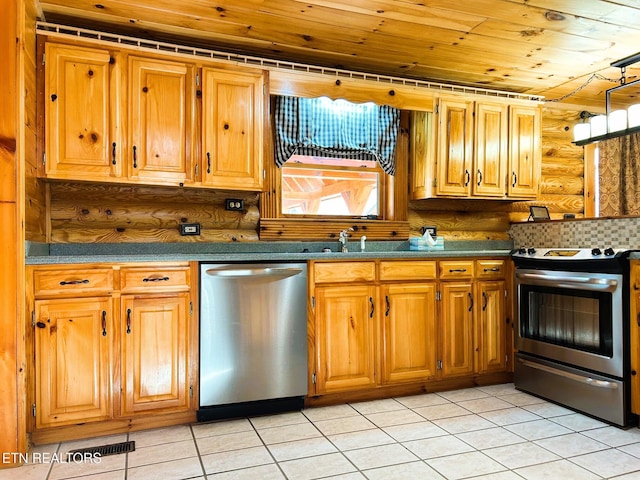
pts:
pixel 578 378
pixel 565 281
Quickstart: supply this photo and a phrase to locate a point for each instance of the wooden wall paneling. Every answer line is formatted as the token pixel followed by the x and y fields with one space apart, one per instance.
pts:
pixel 112 213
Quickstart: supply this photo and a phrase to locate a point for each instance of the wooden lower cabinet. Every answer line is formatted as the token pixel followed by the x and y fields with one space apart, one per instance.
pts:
pixel 408 332
pixel 154 353
pixel 457 328
pixel 406 322
pixel 114 348
pixel 74 355
pixel 346 323
pixel 634 332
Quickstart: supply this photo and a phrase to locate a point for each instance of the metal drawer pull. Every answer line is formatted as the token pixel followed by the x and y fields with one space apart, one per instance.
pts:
pixel 578 378
pixel 104 323
pixel 460 270
pixel 155 279
pixel 494 269
pixel 74 282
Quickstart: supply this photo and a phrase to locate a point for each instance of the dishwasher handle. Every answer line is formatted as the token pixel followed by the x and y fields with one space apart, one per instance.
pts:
pixel 239 272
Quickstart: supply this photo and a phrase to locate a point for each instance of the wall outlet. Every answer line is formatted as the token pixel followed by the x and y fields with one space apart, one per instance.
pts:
pixel 234 204
pixel 433 231
pixel 189 229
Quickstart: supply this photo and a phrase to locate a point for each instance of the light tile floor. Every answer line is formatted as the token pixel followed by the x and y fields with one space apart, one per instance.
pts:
pixel 493 432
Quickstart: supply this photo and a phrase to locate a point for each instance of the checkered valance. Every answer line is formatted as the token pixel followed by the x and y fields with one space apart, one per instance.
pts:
pixel 336 128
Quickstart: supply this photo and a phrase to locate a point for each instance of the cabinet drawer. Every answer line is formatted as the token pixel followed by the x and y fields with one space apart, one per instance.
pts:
pixel 490 268
pixel 75 281
pixel 344 272
pixel 450 269
pixel 408 270
pixel 156 279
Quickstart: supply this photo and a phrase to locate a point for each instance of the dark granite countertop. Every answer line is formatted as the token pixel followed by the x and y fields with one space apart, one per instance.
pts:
pixel 42 254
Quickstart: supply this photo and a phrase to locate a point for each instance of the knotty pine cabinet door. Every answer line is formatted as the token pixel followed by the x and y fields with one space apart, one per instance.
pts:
pixel 408 331
pixel 233 106
pixel 634 333
pixel 457 328
pixel 490 150
pixel 346 323
pixel 74 355
pixel 82 140
pixel 161 117
pixel 155 374
pixel 491 333
pixel 525 154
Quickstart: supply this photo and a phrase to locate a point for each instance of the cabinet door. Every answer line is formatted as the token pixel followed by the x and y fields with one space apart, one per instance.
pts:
pixel 455 147
pixel 81 114
pixel 457 328
pixel 409 333
pixel 73 350
pixel 491 326
pixel 491 154
pixel 635 336
pixel 154 353
pixel 232 129
pixel 345 320
pixel 160 122
pixel 524 151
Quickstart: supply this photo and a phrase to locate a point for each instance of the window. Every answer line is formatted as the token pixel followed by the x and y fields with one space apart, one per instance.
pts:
pixel 331 186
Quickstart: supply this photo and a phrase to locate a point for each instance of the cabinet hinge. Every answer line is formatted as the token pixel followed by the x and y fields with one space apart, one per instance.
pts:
pixel 44 59
pixel 439 365
pixel 435 182
pixel 506 293
pixel 190 391
pixel 438 296
pixel 44 158
pixel 33 409
pixel 313 302
pixel 190 308
pixel 437 108
pixel 197 169
pixel 33 318
pixel 197 80
pixel 264 173
pixel 313 378
pixel 506 359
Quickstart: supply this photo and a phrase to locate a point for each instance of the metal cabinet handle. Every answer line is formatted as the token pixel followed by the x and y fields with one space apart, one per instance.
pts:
pixel 104 323
pixel 135 157
pixel 386 312
pixel 484 301
pixel 113 153
pixel 208 162
pixel 156 279
pixel 128 320
pixel 515 179
pixel 479 177
pixel 468 175
pixel 470 301
pixel 457 270
pixel 372 308
pixel 74 282
pixel 494 269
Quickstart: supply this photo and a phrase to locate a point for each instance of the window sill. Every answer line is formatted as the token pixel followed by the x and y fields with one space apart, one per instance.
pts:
pixel 292 229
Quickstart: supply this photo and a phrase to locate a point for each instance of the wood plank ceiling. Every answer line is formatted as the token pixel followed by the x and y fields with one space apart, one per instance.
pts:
pixel 541 47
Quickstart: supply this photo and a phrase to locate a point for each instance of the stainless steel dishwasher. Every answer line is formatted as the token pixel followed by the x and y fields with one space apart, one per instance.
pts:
pixel 253 338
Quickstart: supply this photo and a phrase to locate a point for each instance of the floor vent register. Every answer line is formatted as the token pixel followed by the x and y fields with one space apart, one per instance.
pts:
pixel 104 450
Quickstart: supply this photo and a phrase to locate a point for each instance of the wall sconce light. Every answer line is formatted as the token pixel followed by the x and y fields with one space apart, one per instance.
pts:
pixel 615 123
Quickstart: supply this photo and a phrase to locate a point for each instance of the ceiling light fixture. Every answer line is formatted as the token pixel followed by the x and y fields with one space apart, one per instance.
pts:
pixel 615 123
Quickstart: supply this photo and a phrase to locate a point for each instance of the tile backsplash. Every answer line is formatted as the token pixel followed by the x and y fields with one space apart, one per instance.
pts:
pixel 622 233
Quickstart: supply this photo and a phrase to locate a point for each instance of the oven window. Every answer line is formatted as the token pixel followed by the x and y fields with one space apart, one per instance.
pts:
pixel 575 319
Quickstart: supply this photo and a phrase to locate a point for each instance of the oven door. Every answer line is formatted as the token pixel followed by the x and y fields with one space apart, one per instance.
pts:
pixel 575 318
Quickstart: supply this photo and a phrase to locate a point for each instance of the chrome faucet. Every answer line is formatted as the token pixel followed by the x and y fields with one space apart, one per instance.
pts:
pixel 344 236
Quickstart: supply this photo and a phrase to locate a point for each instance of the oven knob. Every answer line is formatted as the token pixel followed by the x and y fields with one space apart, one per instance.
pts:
pixel 522 250
pixel 609 251
pixel 596 251
pixel 531 250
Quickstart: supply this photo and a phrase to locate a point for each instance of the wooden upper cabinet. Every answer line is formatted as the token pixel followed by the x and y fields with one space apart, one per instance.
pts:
pixel 525 153
pixel 161 102
pixel 233 119
pixel 81 113
pixel 490 167
pixel 454 147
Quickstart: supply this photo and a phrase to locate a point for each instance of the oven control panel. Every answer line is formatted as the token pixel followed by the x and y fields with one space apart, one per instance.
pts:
pixel 566 253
